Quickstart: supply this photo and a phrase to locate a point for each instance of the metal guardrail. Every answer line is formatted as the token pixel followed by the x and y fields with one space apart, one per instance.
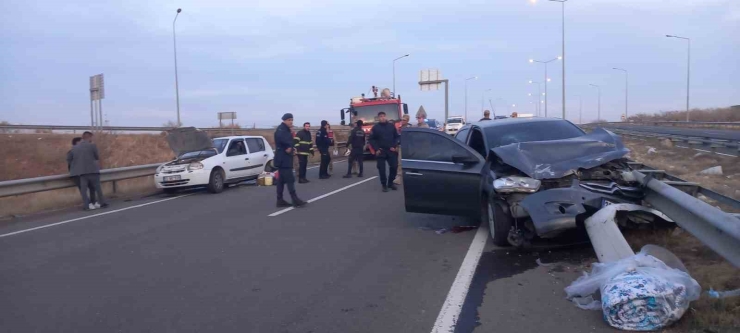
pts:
pixel 692 140
pixel 48 183
pixel 692 124
pixel 127 128
pixel 718 230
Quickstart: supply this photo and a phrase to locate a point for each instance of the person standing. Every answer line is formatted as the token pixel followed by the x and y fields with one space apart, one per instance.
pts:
pixel 323 142
pixel 486 115
pixel 284 151
pixel 356 142
pixel 76 179
pixel 304 146
pixel 384 140
pixel 404 123
pixel 84 163
pixel 330 133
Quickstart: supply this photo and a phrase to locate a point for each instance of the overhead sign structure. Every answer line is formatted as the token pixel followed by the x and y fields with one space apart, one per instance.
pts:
pixel 226 116
pixel 97 93
pixel 430 79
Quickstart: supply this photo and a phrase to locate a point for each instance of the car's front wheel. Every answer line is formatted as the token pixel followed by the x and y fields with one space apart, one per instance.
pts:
pixel 216 182
pixel 499 222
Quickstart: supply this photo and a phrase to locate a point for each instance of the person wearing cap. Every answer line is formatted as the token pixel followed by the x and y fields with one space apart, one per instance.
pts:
pixel 284 152
pixel 304 147
pixel 356 142
pixel 323 142
pixel 384 139
pixel 486 115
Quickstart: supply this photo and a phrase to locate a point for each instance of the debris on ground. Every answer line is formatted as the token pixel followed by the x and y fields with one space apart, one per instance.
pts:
pixel 639 293
pixel 723 294
pixel 651 150
pixel 715 170
pixel 666 143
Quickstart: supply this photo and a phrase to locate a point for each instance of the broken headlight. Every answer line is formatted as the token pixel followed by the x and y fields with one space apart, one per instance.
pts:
pixel 195 166
pixel 516 184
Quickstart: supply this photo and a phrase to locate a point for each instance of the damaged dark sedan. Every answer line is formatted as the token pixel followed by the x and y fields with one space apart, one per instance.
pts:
pixel 528 179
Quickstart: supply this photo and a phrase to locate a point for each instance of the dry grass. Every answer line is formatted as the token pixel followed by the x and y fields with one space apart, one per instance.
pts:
pixel 713 114
pixel 708 268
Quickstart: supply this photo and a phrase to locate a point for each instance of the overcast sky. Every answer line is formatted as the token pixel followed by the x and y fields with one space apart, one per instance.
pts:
pixel 263 58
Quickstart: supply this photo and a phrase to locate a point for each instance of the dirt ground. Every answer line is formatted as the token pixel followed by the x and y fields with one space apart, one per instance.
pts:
pixel 709 269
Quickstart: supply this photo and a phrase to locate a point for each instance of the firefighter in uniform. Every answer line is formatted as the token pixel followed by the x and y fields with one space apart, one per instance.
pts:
pixel 356 141
pixel 304 147
pixel 284 151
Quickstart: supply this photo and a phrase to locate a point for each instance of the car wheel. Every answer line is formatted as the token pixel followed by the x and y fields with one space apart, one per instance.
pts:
pixel 269 167
pixel 499 223
pixel 216 183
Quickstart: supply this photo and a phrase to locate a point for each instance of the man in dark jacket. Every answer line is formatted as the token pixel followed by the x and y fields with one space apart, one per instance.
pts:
pixel 304 145
pixel 84 162
pixel 384 140
pixel 283 161
pixel 486 115
pixel 356 141
pixel 323 142
pixel 76 179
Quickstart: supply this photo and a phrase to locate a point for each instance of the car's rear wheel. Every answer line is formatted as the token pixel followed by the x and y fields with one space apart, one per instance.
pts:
pixel 499 222
pixel 216 182
pixel 269 166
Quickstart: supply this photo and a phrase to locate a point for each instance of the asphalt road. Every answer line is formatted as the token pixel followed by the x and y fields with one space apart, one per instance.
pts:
pixel 696 132
pixel 352 261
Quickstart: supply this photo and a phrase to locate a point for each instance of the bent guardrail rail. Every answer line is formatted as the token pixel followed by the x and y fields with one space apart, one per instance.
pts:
pixel 48 183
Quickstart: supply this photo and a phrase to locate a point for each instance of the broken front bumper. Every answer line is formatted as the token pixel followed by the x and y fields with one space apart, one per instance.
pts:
pixel 556 210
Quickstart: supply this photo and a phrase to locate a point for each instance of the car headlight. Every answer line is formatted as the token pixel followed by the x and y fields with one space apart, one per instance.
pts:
pixel 516 184
pixel 195 166
pixel 159 168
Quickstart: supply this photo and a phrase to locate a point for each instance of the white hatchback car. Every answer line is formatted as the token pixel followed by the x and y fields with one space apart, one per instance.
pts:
pixel 212 163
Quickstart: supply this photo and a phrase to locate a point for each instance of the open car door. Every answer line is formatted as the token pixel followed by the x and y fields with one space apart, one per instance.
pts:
pixel 441 175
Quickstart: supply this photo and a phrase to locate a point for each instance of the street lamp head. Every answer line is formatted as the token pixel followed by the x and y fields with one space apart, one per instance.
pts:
pixel 669 35
pixel 530 94
pixel 179 10
pixel 530 81
pixel 548 79
pixel 531 61
pixel 560 57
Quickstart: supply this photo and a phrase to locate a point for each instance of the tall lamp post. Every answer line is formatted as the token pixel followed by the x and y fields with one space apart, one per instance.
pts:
pixel 562 2
pixel 466 95
pixel 598 117
pixel 539 96
pixel 688 71
pixel 546 79
pixel 177 88
pixel 626 90
pixel 394 72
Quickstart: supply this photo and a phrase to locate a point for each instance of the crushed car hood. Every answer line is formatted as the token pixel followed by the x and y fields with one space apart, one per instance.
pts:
pixel 186 139
pixel 559 158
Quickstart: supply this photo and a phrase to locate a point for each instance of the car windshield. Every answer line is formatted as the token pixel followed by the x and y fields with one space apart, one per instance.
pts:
pixel 454 121
pixel 196 154
pixel 368 114
pixel 220 144
pixel 531 131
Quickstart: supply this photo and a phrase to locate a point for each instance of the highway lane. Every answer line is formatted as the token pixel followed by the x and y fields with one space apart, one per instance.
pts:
pixel 697 132
pixel 353 261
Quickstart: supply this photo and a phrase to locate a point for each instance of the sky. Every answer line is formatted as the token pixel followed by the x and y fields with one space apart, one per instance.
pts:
pixel 264 58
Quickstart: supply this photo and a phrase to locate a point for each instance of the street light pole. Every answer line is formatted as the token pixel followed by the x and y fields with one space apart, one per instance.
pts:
pixel 598 117
pixel 394 73
pixel 177 88
pixel 688 72
pixel 626 90
pixel 546 79
pixel 466 95
pixel 563 51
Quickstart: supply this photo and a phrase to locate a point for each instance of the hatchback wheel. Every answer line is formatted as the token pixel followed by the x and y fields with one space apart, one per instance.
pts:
pixel 216 183
pixel 499 223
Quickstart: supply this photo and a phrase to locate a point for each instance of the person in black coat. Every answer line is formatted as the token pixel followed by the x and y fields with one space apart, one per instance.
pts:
pixel 323 142
pixel 356 141
pixel 384 139
pixel 284 151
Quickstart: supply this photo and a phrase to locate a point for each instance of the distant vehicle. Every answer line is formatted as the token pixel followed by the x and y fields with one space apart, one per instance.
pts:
pixel 524 115
pixel 453 124
pixel 212 163
pixel 499 117
pixel 528 179
pixel 366 109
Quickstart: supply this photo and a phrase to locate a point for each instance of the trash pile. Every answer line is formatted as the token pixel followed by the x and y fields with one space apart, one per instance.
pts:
pixel 644 292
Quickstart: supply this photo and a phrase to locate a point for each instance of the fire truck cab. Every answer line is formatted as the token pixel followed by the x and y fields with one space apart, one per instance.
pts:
pixel 366 109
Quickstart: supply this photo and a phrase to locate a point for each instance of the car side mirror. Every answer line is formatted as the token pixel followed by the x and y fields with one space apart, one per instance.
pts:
pixel 343 123
pixel 405 108
pixel 460 159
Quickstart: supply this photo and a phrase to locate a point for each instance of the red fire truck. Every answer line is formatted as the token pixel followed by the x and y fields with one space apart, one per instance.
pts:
pixel 366 109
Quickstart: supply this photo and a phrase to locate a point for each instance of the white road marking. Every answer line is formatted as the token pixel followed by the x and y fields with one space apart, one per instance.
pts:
pixel 323 196
pixel 450 312
pixel 682 147
pixel 725 154
pixel 91 216
pixel 702 150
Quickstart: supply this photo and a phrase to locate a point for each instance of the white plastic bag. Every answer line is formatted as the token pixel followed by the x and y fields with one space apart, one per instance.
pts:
pixel 336 152
pixel 639 293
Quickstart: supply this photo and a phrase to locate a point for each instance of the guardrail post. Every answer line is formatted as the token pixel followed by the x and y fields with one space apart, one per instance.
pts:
pixel 114 186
